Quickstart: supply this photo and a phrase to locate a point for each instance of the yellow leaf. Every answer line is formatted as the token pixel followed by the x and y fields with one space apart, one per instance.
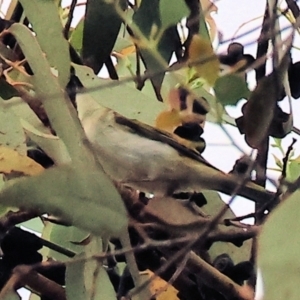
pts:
pixel 205 61
pixel 165 291
pixel 181 103
pixel 128 50
pixel 13 163
pixel 168 120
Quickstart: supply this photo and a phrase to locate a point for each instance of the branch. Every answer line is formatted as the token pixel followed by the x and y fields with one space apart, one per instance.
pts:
pixel 25 275
pixel 235 236
pixel 286 158
pixel 13 218
pixel 69 20
pixel 215 279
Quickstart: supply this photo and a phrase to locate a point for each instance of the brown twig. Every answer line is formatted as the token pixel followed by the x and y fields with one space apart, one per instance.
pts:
pixel 215 279
pixel 286 158
pixel 26 276
pixel 263 149
pixel 200 241
pixel 12 218
pixel 69 20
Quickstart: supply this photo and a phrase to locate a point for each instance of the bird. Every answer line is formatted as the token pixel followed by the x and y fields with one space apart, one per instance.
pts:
pixel 152 160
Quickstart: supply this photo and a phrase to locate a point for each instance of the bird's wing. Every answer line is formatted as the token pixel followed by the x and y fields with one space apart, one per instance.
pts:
pixel 161 136
pixel 227 182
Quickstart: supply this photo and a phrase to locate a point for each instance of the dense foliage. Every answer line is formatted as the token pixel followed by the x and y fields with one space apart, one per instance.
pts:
pixel 110 171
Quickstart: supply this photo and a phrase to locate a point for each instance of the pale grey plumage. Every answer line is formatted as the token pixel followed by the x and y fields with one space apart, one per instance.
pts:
pixel 151 160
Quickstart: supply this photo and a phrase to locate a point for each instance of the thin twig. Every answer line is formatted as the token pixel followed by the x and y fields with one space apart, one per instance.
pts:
pixel 69 20
pixel 200 240
pixel 286 158
pixel 12 218
pixel 25 275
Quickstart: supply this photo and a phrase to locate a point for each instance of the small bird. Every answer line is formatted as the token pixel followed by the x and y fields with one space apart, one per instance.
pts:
pixel 152 160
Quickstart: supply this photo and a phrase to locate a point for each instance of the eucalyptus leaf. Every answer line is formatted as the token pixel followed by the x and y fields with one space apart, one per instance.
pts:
pixel 124 99
pixel 123 40
pixel 231 88
pixel 58 108
pixel 35 224
pixel 67 237
pixel 43 15
pixel 21 109
pixel 172 14
pixel 156 59
pixel 12 135
pixel 52 145
pixel 77 196
pixel 279 248
pixel 278 162
pixel 147 17
pixel 293 170
pixel 87 279
pixel 75 289
pixel 101 27
pixel 77 36
pixel 59 189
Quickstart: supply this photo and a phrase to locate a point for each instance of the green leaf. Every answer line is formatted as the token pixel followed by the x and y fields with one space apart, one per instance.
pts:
pixel 43 15
pixel 147 18
pixel 172 14
pixel 74 193
pixel 35 224
pixel 293 170
pixel 133 104
pixel 64 236
pixel 278 161
pixel 12 134
pixel 87 279
pixel 278 142
pixel 77 36
pixel 52 145
pixel 230 89
pixel 279 248
pixel 80 197
pixel 7 91
pixel 101 27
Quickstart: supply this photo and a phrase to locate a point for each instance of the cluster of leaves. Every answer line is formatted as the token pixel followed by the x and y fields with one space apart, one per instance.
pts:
pixel 181 238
